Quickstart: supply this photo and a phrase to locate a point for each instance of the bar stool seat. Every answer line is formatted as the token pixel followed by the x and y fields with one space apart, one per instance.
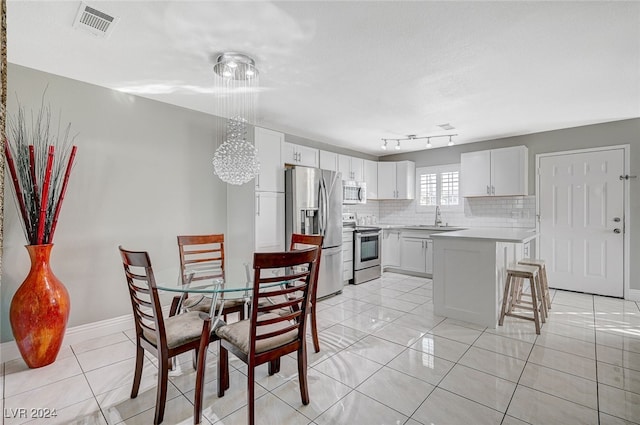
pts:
pixel 542 271
pixel 511 299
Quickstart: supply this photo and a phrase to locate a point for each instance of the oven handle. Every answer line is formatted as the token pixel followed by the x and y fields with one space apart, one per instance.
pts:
pixel 367 232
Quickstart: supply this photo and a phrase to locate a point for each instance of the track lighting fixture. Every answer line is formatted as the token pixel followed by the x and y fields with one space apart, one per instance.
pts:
pixel 414 137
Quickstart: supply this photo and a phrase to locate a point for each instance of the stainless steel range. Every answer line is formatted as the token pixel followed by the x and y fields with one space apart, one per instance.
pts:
pixel 366 250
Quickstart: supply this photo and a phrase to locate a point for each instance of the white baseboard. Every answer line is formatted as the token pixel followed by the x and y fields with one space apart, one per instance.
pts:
pixel 9 350
pixel 633 295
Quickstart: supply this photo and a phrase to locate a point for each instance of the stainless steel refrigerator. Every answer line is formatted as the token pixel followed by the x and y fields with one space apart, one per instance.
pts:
pixel 313 205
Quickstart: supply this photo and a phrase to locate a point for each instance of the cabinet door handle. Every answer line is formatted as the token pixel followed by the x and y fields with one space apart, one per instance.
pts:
pixel 493 190
pixel 488 190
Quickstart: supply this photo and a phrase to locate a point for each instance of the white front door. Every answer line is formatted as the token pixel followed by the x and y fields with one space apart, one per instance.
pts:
pixel 581 207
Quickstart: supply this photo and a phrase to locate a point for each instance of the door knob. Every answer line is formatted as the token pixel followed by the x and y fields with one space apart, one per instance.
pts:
pixel 616 219
pixel 616 230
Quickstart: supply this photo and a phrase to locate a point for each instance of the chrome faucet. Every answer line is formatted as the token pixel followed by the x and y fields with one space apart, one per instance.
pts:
pixel 438 220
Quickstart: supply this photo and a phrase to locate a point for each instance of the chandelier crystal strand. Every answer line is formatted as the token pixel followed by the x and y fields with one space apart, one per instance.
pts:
pixel 236 159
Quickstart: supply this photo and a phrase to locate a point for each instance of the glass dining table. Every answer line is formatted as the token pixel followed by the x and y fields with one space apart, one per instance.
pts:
pixel 208 281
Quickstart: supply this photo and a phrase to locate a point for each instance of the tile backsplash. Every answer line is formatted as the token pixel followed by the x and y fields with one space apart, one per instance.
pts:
pixel 516 211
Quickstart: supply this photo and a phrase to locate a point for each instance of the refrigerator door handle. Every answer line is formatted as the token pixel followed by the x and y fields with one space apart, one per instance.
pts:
pixel 322 210
pixel 325 204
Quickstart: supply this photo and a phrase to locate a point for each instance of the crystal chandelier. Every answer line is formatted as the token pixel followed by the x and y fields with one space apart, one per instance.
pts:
pixel 236 159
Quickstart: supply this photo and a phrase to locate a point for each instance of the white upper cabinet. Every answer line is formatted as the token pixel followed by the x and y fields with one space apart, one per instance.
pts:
pixel 351 168
pixel 269 146
pixel 396 180
pixel 495 172
pixel 300 155
pixel 329 160
pixel 371 178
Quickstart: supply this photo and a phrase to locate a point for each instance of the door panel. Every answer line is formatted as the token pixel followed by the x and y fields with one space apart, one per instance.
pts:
pixel 580 196
pixel 333 232
pixel 330 277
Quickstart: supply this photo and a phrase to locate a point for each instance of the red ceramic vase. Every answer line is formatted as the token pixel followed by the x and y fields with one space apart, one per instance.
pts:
pixel 39 311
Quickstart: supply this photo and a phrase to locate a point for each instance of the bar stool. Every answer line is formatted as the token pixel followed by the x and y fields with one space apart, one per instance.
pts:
pixel 512 290
pixel 542 271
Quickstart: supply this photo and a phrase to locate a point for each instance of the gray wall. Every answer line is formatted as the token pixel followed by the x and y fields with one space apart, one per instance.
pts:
pixel 597 135
pixel 143 175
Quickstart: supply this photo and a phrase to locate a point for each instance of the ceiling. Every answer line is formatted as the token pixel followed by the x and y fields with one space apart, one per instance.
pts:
pixel 350 73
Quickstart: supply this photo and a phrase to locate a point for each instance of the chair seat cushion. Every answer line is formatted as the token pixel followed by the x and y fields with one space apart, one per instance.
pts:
pixel 238 334
pixel 203 303
pixel 181 329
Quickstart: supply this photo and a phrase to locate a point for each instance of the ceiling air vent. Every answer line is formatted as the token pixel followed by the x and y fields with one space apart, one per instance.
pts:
pixel 94 21
pixel 446 126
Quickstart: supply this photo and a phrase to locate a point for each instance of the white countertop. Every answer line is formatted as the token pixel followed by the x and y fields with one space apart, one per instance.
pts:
pixel 491 234
pixel 420 227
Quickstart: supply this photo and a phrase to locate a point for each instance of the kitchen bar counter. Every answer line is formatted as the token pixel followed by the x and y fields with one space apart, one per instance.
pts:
pixel 469 268
pixel 491 234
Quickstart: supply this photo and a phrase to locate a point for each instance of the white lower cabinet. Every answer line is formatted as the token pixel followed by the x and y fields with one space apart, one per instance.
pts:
pixel 416 254
pixel 347 255
pixel 269 228
pixel 255 224
pixel 391 248
pixel 429 263
pixel 408 250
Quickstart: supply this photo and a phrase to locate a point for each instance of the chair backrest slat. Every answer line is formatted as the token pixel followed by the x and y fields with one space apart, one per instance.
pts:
pixel 298 279
pixel 198 250
pixel 147 311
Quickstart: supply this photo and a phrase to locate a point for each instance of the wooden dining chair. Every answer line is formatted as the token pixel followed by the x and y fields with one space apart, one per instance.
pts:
pixel 267 336
pixel 299 241
pixel 206 254
pixel 164 338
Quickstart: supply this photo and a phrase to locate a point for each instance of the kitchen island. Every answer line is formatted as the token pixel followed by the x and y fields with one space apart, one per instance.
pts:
pixel 469 271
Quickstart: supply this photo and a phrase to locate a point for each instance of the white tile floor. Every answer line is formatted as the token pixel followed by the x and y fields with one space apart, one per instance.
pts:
pixel 385 359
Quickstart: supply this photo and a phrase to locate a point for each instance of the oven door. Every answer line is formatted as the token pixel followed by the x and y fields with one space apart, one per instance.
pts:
pixel 366 249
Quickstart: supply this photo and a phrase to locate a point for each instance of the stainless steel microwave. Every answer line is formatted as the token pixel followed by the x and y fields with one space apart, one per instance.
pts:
pixel 354 192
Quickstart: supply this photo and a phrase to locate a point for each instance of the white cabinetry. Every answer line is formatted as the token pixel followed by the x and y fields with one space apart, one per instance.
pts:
pixel 396 180
pixel 256 215
pixel 269 146
pixel 371 178
pixel 391 248
pixel 351 168
pixel 416 253
pixel 300 155
pixel 347 255
pixel 329 160
pixel 269 223
pixel 495 172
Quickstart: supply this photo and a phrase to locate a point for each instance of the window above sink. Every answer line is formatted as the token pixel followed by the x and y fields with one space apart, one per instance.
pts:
pixel 438 186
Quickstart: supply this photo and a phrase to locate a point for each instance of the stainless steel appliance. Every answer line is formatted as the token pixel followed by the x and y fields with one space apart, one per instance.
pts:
pixel 366 249
pixel 366 254
pixel 354 192
pixel 313 205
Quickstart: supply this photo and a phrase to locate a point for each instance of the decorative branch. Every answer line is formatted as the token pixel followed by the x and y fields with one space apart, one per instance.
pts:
pixel 39 178
pixel 45 196
pixel 16 186
pixel 32 169
pixel 62 192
